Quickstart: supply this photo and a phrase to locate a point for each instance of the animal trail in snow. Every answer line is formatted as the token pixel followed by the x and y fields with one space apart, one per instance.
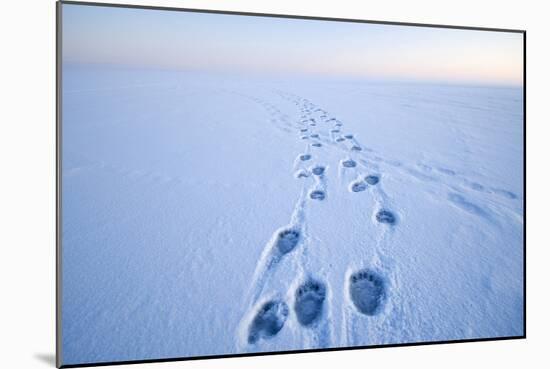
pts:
pixel 317 195
pixel 309 301
pixel 372 179
pixel 301 174
pixel 508 194
pixel 466 205
pixel 350 163
pixel 287 240
pixel 480 188
pixel 385 216
pixel 476 186
pixel 269 320
pixel 358 186
pixel 446 171
pixel 367 291
pixel 318 170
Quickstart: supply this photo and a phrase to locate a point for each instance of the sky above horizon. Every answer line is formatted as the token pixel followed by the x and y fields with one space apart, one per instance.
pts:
pixel 274 46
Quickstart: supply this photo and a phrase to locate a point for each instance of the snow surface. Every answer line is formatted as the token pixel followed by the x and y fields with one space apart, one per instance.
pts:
pixel 191 226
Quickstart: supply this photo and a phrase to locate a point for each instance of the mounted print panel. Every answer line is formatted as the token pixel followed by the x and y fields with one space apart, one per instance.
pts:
pixel 238 184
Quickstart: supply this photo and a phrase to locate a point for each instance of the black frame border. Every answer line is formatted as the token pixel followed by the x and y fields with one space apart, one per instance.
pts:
pixel 58 169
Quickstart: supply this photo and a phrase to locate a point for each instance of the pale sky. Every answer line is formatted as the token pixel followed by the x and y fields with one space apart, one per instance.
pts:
pixel 234 43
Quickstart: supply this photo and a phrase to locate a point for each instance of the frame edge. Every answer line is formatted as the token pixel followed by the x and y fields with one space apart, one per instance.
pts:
pixel 289 16
pixel 58 172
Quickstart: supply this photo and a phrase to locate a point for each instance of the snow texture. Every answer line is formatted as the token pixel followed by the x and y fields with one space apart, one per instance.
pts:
pixel 207 214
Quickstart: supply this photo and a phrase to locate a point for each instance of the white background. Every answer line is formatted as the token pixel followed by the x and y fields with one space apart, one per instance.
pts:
pixel 27 192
